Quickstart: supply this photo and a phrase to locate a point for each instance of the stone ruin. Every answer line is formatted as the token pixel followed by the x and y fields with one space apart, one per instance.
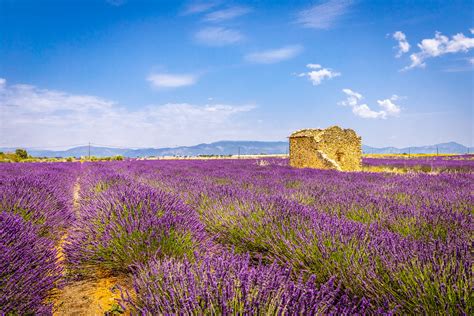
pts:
pixel 330 148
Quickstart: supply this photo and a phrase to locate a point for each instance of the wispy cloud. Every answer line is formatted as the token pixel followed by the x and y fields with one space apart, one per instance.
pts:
pixel 116 3
pixel 390 108
pixel 317 74
pixel 403 45
pixel 196 7
pixel 167 80
pixel 226 14
pixel 218 36
pixel 274 55
pixel 353 100
pixel 48 118
pixel 323 16
pixel 438 46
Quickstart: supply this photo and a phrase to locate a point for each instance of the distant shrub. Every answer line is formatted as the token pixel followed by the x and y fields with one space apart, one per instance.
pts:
pixel 21 153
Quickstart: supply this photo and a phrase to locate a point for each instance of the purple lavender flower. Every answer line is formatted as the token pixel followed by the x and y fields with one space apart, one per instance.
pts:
pixel 128 224
pixel 28 268
pixel 233 285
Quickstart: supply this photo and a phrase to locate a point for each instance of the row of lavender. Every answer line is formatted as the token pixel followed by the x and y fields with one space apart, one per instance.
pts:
pixel 128 226
pixel 35 209
pixel 332 241
pixel 240 237
pixel 454 163
pixel 399 242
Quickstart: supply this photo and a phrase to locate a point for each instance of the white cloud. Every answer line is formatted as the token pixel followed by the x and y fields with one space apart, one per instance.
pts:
pixel 363 110
pixel 218 36
pixel 317 74
pixel 274 55
pixel 403 45
pixel 389 108
pixel 471 60
pixel 323 16
pixel 30 116
pixel 197 7
pixel 184 113
pixel 439 46
pixel 166 80
pixel 353 97
pixel 226 14
pixel 34 100
pixel 314 66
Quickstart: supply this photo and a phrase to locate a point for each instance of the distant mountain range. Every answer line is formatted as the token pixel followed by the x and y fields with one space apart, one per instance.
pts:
pixel 217 148
pixel 232 148
pixel 442 148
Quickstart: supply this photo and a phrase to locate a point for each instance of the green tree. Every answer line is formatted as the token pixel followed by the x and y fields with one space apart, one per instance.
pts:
pixel 21 153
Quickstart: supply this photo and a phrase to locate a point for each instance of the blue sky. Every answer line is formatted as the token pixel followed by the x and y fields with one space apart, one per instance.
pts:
pixel 167 73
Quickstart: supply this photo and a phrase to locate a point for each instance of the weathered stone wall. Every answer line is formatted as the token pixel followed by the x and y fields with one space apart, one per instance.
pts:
pixel 332 148
pixel 303 154
pixel 344 146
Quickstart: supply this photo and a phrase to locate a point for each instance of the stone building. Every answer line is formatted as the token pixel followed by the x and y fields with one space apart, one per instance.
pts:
pixel 330 148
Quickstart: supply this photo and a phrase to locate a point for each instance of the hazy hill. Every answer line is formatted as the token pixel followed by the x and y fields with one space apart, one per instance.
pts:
pixel 231 148
pixel 442 148
pixel 217 148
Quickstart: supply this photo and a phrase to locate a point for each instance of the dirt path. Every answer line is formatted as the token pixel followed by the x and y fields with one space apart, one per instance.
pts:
pixel 89 297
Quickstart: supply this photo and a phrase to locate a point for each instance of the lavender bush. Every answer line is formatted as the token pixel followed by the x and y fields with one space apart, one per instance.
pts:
pixel 41 195
pixel 35 210
pixel 401 241
pixel 131 223
pixel 385 267
pixel 359 242
pixel 28 268
pixel 233 285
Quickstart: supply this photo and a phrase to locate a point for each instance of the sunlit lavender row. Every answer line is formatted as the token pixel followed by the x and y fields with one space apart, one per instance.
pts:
pixel 35 210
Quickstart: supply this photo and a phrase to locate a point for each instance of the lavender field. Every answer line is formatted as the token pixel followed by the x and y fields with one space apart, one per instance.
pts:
pixel 233 237
pixel 428 163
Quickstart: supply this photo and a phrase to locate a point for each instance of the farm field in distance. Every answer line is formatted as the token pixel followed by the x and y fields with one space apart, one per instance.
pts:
pixel 237 236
